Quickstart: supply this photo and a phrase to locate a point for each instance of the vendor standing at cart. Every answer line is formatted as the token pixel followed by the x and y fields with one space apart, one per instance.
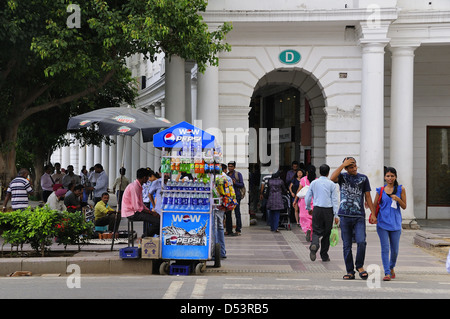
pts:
pixel 154 193
pixel 133 204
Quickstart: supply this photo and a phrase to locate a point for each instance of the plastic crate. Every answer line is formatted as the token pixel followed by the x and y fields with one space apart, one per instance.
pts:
pixel 179 270
pixel 129 253
pixel 101 228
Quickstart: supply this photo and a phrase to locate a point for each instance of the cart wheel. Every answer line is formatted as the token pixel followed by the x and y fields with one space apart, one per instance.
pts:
pixel 217 255
pixel 164 268
pixel 199 268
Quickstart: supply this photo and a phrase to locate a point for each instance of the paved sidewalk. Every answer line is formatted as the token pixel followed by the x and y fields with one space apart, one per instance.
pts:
pixel 260 250
pixel 257 250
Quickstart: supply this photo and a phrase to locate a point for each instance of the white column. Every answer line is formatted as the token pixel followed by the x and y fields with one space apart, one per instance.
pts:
pixel 82 157
pixel 113 170
pixel 105 158
pixel 97 154
pixel 157 152
pixel 401 124
pixel 372 113
pixel 208 97
pixel 135 153
pixel 175 90
pixel 89 157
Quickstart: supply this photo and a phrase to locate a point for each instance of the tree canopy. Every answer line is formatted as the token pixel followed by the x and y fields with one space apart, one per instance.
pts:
pixel 55 53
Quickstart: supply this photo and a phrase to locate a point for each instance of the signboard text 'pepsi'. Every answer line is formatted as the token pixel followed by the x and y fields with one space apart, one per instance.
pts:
pixel 175 136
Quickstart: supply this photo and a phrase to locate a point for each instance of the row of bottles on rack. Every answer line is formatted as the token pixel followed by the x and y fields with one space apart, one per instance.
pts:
pixel 191 160
pixel 186 201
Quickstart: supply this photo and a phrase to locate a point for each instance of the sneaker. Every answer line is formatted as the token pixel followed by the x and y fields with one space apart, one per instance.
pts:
pixel 312 253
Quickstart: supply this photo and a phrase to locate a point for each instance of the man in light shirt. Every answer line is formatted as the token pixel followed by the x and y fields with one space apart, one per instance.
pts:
pixel 133 205
pixel 325 201
pixel 101 184
pixel 56 200
pixel 47 182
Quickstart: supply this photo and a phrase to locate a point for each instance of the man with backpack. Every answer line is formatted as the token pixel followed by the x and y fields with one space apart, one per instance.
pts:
pixel 239 187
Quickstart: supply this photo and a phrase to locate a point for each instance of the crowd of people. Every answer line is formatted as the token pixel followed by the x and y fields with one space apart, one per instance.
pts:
pixel 138 200
pixel 318 207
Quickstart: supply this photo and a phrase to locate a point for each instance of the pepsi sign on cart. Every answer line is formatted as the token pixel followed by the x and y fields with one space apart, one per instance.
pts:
pixel 185 235
pixel 177 135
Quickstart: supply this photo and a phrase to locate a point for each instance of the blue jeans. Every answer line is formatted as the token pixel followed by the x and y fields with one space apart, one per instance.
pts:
pixel 389 240
pixel 217 226
pixel 274 219
pixel 356 226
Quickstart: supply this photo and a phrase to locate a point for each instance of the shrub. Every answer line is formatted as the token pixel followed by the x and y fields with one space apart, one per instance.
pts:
pixel 38 226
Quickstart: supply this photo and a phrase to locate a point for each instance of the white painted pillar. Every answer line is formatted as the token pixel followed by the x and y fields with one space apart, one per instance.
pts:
pixel 401 124
pixel 372 113
pixel 208 97
pixel 82 157
pixel 157 152
pixel 175 90
pixel 105 158
pixel 113 171
pixel 89 157
pixel 97 154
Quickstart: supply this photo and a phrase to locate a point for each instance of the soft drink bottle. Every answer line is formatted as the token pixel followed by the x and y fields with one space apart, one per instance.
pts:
pixel 202 167
pixel 170 201
pixel 176 202
pixel 165 200
pixel 195 202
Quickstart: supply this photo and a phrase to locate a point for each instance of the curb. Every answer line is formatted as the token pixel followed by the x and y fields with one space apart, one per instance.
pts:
pixel 88 265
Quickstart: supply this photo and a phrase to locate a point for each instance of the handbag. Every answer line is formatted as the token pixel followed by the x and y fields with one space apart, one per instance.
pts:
pixel 334 236
pixel 377 209
pixel 303 191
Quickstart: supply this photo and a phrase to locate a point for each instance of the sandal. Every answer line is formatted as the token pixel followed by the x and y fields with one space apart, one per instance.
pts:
pixel 348 276
pixel 392 273
pixel 363 274
pixel 387 278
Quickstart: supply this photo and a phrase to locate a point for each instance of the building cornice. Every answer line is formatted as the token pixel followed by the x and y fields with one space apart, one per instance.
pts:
pixel 220 16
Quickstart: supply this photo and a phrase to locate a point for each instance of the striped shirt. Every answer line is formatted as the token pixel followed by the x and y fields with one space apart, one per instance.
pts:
pixel 19 189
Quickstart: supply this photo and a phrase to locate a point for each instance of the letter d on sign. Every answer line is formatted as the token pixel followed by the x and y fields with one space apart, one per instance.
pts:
pixel 74 280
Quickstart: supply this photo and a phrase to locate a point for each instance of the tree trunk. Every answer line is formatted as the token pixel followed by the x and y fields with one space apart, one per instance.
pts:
pixel 8 139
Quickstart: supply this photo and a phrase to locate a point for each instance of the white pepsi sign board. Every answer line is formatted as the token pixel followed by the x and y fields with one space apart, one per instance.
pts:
pixel 175 136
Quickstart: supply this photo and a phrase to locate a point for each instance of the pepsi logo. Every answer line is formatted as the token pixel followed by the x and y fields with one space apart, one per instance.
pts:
pixel 173 240
pixel 123 129
pixel 170 138
pixel 186 218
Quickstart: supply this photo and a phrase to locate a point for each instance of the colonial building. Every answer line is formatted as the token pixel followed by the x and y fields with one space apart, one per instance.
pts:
pixel 361 78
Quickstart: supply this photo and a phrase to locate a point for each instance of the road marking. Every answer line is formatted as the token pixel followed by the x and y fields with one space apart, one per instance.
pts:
pixel 199 289
pixel 291 279
pixel 173 290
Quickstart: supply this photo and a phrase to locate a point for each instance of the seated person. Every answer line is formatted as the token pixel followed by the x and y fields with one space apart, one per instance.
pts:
pixel 73 200
pixel 56 200
pixel 133 204
pixel 105 215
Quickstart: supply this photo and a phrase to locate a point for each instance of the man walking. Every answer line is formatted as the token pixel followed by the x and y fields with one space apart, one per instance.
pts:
pixel 355 188
pixel 238 184
pixel 18 191
pixel 325 202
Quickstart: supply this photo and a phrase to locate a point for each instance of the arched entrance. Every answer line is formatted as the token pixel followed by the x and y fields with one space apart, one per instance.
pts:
pixel 293 101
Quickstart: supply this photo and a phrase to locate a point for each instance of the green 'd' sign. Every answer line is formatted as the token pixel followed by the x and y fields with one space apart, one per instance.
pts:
pixel 290 57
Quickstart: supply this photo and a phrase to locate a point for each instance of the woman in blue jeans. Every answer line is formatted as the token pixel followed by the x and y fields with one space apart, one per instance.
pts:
pixel 389 220
pixel 275 200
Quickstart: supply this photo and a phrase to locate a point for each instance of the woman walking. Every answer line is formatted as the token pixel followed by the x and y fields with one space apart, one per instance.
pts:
pixel 275 200
pixel 305 217
pixel 294 188
pixel 389 220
